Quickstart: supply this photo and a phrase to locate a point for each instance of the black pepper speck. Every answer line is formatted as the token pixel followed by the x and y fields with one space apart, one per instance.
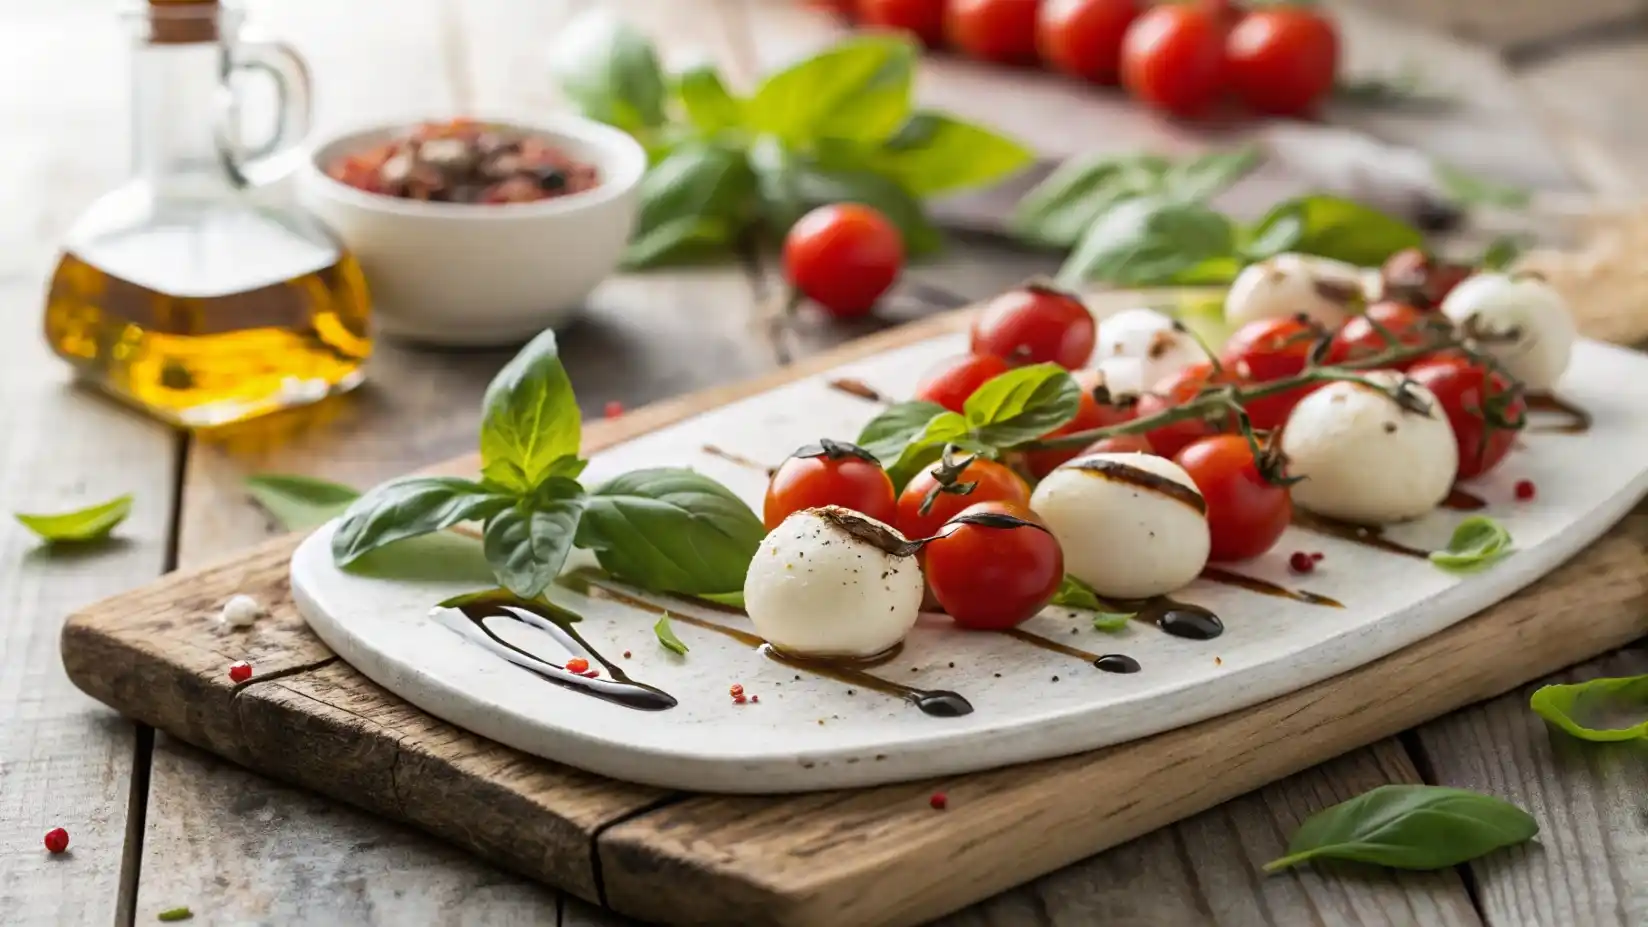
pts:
pixel 1055 679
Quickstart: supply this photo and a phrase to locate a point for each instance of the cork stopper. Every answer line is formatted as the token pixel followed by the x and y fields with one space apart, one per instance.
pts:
pixel 182 22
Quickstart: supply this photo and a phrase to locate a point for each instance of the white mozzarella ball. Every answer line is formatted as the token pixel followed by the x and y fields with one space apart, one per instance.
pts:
pixel 1131 525
pixel 1499 304
pixel 822 584
pixel 240 612
pixel 1287 285
pixel 1366 459
pixel 1122 377
pixel 1160 345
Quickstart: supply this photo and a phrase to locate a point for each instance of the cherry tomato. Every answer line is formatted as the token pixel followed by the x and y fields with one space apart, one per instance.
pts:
pixel 830 473
pixel 1083 38
pixel 1245 513
pixel 1003 31
pixel 991 578
pixel 1120 444
pixel 1282 59
pixel 952 381
pixel 843 256
pixel 994 482
pixel 1419 279
pixel 1271 349
pixel 1089 415
pixel 1459 386
pixel 1359 338
pixel 922 18
pixel 1176 390
pixel 1034 325
pixel 1173 57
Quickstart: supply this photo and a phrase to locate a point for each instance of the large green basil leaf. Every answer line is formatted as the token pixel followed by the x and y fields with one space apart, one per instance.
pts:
pixel 530 417
pixel 710 107
pixel 926 446
pixel 1332 227
pixel 1199 179
pixel 858 89
pixel 1058 210
pixel 671 530
pixel 298 502
pixel 683 239
pixel 610 72
pixel 892 430
pixel 696 179
pixel 1022 405
pixel 1409 827
pixel 1149 241
pixel 1600 710
pixel 527 543
pixel 777 183
pixel 409 507
pixel 934 153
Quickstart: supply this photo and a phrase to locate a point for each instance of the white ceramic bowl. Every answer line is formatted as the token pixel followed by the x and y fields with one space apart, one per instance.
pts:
pixel 473 274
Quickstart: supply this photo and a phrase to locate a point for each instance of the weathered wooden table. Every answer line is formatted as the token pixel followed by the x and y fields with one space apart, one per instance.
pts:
pixel 1553 99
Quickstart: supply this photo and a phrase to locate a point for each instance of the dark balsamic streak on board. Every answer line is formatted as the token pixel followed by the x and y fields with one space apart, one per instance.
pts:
pixel 1461 500
pixel 1180 619
pixel 1578 420
pixel 858 388
pixel 1109 662
pixel 1366 535
pixel 739 459
pixel 1265 587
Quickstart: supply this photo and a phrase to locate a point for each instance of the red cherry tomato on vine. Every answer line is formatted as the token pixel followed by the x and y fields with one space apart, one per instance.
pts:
pixel 1245 513
pixel 1034 325
pixel 995 483
pixel 1120 444
pixel 992 578
pixel 952 381
pixel 832 473
pixel 1282 59
pixel 843 257
pixel 1176 390
pixel 1173 57
pixel 1470 399
pixel 1003 31
pixel 1083 38
pixel 922 18
pixel 1359 338
pixel 1089 415
pixel 1271 349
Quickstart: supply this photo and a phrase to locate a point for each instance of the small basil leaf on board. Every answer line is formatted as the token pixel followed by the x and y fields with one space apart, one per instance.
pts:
pixel 92 523
pixel 1111 621
pixel 666 635
pixel 1599 710
pixel 709 106
pixel 856 89
pixel 527 544
pixel 1409 827
pixel 1073 593
pixel 173 915
pixel 886 435
pixel 297 502
pixel 934 153
pixel 1022 405
pixel 610 72
pixel 410 507
pixel 1477 543
pixel 1333 227
pixel 1149 241
pixel 671 530
pixel 531 417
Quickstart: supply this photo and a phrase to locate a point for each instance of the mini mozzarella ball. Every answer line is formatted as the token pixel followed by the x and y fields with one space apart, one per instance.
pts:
pixel 1160 345
pixel 1497 304
pixel 819 586
pixel 1287 285
pixel 1122 377
pixel 1131 525
pixel 240 611
pixel 1366 459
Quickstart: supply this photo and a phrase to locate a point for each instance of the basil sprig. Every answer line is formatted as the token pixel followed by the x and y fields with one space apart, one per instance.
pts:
pixel 1409 827
pixel 92 523
pixel 838 126
pixel 1477 543
pixel 1599 710
pixel 1073 593
pixel 296 502
pixel 669 530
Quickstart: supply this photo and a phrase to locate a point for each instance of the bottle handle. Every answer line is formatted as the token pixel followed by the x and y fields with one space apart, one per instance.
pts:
pixel 282 151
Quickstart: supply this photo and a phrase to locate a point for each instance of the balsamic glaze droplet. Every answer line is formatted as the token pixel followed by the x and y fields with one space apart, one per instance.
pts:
pixel 1117 663
pixel 1190 621
pixel 941 703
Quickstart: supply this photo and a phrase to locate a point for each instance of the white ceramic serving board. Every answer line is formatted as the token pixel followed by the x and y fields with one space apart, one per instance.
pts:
pixel 809 732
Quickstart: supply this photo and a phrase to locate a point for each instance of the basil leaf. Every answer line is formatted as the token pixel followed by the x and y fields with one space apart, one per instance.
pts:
pixel 409 507
pixel 925 447
pixel 680 240
pixel 531 418
pixel 886 435
pixel 1111 621
pixel 1599 710
pixel 1502 252
pixel 709 106
pixel 734 599
pixel 92 523
pixel 1059 209
pixel 1467 189
pixel 692 202
pixel 1022 405
pixel 298 502
pixel 858 89
pixel 1409 827
pixel 777 184
pixel 527 544
pixel 1073 593
pixel 171 915
pixel 610 72
pixel 1148 242
pixel 666 635
pixel 1201 178
pixel 1333 227
pixel 1477 543
pixel 671 530
pixel 935 153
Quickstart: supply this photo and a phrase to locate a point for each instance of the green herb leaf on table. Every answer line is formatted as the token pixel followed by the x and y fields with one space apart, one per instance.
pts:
pixel 886 435
pixel 1468 189
pixel 666 635
pixel 858 89
pixel 1599 710
pixel 1203 177
pixel 1502 252
pixel 1022 405
pixel 610 72
pixel 92 523
pixel 171 915
pixel 935 153
pixel 530 419
pixel 671 530
pixel 691 203
pixel 1150 242
pixel 410 507
pixel 1073 593
pixel 1331 227
pixel 527 544
pixel 1057 211
pixel 1477 543
pixel 1111 621
pixel 734 599
pixel 299 502
pixel 1409 827
pixel 710 106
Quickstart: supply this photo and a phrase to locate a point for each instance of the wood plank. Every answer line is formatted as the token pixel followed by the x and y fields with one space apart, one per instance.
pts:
pixel 1593 98
pixel 1509 24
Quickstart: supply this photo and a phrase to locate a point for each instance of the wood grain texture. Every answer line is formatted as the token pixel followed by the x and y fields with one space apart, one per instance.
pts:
pixel 1583 99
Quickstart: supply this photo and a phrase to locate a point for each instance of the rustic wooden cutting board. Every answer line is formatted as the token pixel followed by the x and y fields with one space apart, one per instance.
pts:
pixel 871 856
